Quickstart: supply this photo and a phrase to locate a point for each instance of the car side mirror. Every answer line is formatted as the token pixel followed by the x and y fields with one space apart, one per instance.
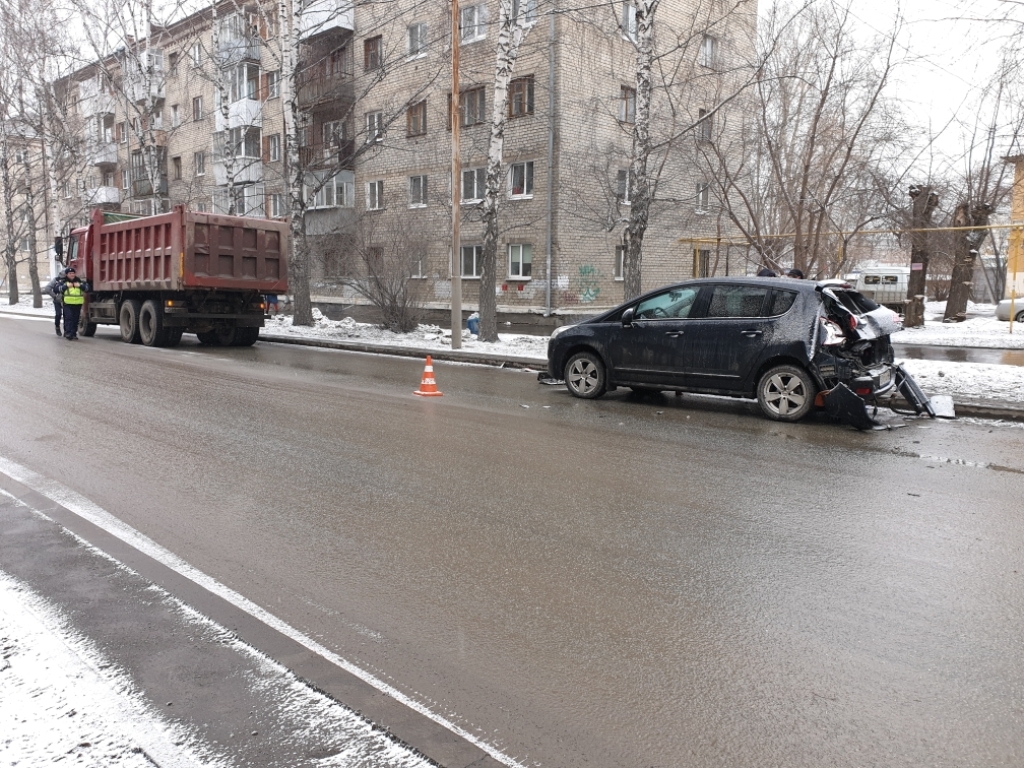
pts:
pixel 627 317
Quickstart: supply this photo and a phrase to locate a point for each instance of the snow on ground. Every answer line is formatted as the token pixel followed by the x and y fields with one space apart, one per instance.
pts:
pixel 971 382
pixel 980 329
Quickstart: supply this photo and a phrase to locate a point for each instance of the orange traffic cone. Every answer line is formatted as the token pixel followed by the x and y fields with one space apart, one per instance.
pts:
pixel 428 387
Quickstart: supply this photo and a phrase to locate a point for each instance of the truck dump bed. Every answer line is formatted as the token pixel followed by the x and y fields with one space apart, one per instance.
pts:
pixel 185 250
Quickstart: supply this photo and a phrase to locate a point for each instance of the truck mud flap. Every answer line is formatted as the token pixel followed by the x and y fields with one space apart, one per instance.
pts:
pixel 913 394
pixel 842 404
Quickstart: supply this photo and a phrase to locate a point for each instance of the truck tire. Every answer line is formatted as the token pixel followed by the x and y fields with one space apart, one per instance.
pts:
pixel 218 337
pixel 245 337
pixel 173 337
pixel 151 324
pixel 85 326
pixel 129 320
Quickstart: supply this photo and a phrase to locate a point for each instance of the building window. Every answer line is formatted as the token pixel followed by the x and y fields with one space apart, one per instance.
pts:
pixel 334 192
pixel 273 84
pixel 243 82
pixel 473 106
pixel 627 105
pixel 375 195
pixel 199 161
pixel 472 260
pixel 620 256
pixel 520 97
pixel 472 23
pixel 172 65
pixel 525 9
pixel 417 36
pixel 416 119
pixel 176 167
pixel 629 21
pixel 372 53
pixel 374 127
pixel 704 125
pixel 196 54
pixel 277 206
pixel 333 135
pixel 703 197
pixel 708 54
pixel 197 108
pixel 474 183
pixel 520 260
pixel 701 262
pixel 122 132
pixel 417 191
pixel 175 116
pixel 245 142
pixel 521 180
pixel 201 207
pixel 274 147
pixel 622 186
pixel 125 180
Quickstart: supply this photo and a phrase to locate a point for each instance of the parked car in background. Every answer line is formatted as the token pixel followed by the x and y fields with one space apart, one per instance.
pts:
pixel 784 342
pixel 1003 310
pixel 884 285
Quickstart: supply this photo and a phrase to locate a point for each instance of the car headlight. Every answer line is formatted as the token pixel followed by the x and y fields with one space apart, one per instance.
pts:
pixel 560 329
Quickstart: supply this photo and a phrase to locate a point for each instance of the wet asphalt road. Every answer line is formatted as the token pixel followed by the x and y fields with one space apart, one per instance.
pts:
pixel 628 582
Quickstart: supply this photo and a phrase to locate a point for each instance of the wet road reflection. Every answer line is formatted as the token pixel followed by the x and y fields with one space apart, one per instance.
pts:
pixel 961 354
pixel 634 581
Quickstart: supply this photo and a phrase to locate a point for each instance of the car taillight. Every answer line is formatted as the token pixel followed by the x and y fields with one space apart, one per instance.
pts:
pixel 863 390
pixel 852 322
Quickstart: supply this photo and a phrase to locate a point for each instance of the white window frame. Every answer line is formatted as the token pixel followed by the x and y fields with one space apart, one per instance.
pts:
pixel 622 186
pixel 336 192
pixel 705 125
pixel 196 54
pixel 703 197
pixel 374 127
pixel 619 263
pixel 126 179
pixel 477 252
pixel 418 191
pixel 375 195
pixel 417 272
pixel 479 185
pixel 472 23
pixel 416 40
pixel 274 147
pixel 274 84
pixel 175 116
pixel 629 21
pixel 333 133
pixel 520 249
pixel 627 104
pixel 197 109
pixel 277 205
pixel 199 163
pixel 525 8
pixel 708 54
pixel 526 169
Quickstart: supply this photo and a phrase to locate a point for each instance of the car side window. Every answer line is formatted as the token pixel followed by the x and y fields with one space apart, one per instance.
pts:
pixel 675 303
pixel 781 302
pixel 736 301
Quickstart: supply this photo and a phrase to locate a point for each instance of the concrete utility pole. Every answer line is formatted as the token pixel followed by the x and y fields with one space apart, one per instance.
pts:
pixel 456 188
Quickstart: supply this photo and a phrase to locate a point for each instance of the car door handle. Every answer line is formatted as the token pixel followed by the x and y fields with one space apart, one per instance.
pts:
pixel 673 334
pixel 751 334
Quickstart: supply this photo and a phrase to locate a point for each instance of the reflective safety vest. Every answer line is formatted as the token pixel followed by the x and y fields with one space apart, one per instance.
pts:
pixel 74 295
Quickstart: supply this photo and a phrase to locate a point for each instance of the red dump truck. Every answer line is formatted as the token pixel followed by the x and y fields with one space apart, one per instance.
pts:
pixel 158 277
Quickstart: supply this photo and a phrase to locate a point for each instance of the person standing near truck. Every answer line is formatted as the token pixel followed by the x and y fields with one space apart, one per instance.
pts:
pixel 74 298
pixel 56 290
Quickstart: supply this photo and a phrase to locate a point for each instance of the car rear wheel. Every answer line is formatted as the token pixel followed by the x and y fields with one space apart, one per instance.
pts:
pixel 1020 317
pixel 786 393
pixel 585 376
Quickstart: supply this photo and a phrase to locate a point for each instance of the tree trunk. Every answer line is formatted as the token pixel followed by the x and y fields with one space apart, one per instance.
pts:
pixel 639 183
pixel 924 202
pixel 965 254
pixel 6 189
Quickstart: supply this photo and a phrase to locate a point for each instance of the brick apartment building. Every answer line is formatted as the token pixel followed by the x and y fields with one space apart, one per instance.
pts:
pixel 198 118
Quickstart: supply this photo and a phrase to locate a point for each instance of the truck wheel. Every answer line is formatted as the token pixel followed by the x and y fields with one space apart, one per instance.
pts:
pixel 129 319
pixel 151 324
pixel 218 337
pixel 173 336
pixel 85 327
pixel 245 337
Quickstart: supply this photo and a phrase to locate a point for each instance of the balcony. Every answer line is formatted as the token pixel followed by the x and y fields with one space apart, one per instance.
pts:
pixel 317 89
pixel 245 170
pixel 322 17
pixel 103 196
pixel 328 156
pixel 235 50
pixel 144 89
pixel 144 187
pixel 103 153
pixel 243 113
pixel 95 102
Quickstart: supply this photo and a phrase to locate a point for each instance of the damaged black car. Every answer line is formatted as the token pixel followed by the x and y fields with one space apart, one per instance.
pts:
pixel 794 345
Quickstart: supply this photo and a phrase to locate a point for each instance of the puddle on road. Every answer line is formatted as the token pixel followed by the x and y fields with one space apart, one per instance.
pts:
pixel 958 462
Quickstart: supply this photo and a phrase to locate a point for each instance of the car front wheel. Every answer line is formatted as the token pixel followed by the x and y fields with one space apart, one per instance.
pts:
pixel 786 393
pixel 585 375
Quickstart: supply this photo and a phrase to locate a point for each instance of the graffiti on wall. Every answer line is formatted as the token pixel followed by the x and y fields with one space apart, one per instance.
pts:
pixel 581 288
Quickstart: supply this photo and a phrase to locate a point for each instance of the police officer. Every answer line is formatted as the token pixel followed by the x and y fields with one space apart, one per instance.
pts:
pixel 56 290
pixel 74 298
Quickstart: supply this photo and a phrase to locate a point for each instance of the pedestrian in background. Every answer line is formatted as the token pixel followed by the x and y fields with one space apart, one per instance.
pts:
pixel 795 273
pixel 56 290
pixel 74 298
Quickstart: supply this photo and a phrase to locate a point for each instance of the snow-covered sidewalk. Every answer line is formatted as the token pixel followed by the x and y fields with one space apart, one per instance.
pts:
pixel 980 329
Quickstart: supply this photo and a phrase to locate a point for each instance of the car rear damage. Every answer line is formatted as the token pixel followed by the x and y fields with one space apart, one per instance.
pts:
pixel 853 358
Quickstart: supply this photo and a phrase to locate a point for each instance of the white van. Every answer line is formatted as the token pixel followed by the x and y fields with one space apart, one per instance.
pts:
pixel 886 285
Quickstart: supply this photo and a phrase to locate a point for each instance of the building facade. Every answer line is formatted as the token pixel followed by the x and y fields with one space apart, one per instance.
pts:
pixel 197 116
